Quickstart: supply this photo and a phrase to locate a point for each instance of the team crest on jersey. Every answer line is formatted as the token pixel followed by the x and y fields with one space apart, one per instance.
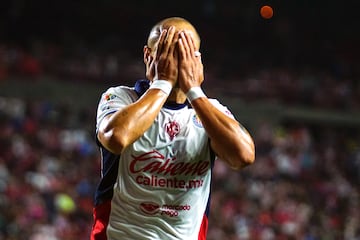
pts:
pixel 197 121
pixel 172 128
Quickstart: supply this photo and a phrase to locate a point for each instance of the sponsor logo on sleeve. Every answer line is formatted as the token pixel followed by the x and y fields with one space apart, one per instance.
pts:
pixel 227 112
pixel 109 97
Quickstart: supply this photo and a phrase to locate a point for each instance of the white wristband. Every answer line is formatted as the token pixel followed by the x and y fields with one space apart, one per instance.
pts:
pixel 194 93
pixel 163 85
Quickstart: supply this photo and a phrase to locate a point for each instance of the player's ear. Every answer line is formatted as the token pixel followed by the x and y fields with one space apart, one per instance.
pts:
pixel 149 60
pixel 147 55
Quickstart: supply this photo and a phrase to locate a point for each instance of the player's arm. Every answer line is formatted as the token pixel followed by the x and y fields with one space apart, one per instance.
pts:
pixel 116 131
pixel 122 128
pixel 229 140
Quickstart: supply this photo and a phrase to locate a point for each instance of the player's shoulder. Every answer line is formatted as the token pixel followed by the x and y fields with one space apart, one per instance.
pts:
pixel 221 107
pixel 123 94
pixel 119 89
pixel 138 89
pixel 214 101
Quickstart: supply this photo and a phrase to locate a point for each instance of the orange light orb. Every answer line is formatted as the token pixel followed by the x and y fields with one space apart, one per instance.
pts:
pixel 266 12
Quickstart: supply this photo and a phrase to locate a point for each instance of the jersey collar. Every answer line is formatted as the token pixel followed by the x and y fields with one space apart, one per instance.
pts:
pixel 142 85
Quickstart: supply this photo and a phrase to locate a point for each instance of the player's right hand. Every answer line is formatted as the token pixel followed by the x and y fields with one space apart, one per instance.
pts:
pixel 166 59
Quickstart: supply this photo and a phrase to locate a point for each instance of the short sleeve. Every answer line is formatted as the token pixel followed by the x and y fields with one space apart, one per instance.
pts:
pixel 222 108
pixel 112 100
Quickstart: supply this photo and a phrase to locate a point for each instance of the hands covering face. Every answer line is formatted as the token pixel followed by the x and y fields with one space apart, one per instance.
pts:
pixel 177 60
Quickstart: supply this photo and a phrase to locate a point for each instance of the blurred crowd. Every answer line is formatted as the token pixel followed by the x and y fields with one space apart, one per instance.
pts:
pixel 333 87
pixel 304 185
pixel 48 169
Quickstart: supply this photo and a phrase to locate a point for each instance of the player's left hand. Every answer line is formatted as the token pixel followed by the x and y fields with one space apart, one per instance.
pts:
pixel 191 70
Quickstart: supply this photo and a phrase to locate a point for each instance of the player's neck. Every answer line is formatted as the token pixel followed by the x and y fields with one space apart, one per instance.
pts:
pixel 177 96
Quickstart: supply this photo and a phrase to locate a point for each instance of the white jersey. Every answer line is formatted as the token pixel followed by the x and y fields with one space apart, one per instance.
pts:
pixel 162 189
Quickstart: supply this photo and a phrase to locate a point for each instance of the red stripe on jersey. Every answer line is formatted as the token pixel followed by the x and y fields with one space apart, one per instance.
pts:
pixel 203 228
pixel 101 215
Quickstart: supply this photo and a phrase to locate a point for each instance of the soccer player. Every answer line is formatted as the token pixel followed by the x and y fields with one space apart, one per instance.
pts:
pixel 159 141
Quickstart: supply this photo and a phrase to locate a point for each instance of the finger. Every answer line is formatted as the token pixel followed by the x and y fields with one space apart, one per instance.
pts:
pixel 181 47
pixel 167 50
pixel 160 44
pixel 173 46
pixel 193 50
pixel 184 45
pixel 191 43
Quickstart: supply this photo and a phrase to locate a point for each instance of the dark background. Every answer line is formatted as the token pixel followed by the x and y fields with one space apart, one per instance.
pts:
pixel 292 80
pixel 301 31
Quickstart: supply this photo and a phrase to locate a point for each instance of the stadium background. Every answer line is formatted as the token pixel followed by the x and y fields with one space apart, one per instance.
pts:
pixel 292 80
